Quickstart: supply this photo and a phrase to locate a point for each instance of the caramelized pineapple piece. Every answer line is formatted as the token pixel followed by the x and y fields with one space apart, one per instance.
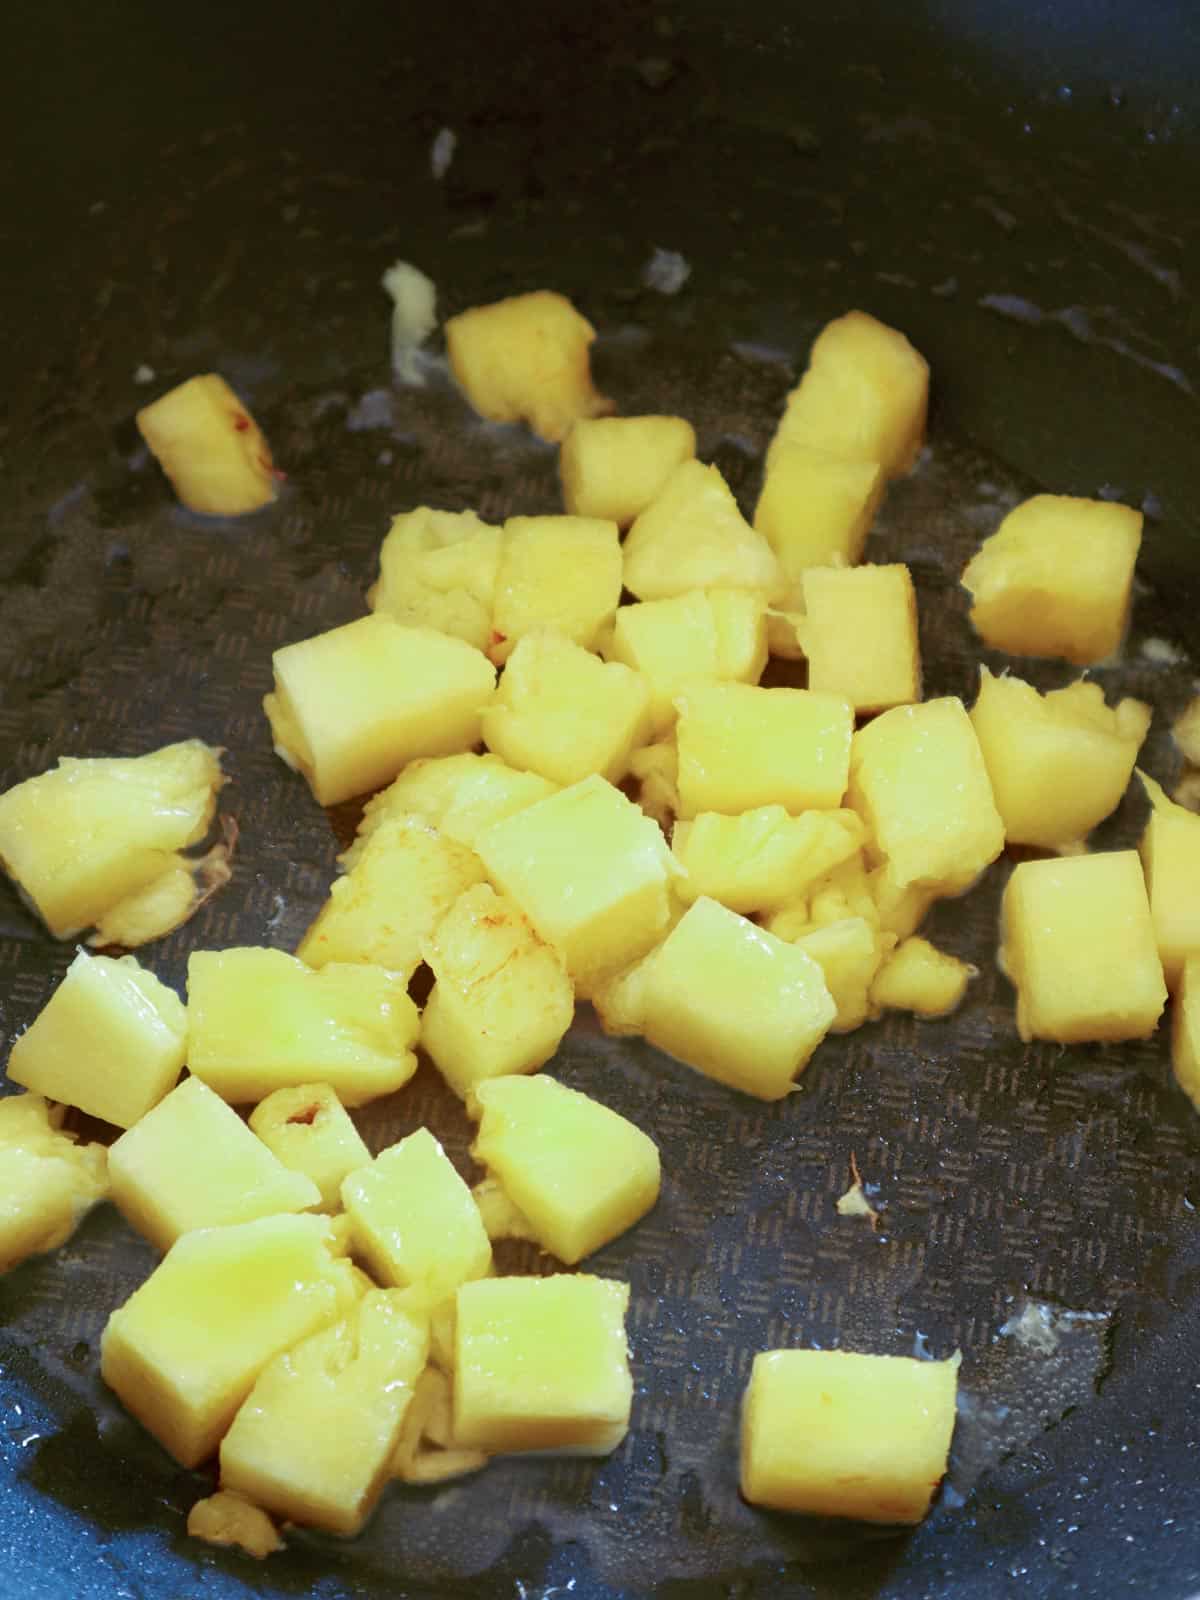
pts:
pixel 210 447
pixel 918 977
pixel 816 509
pixel 460 796
pixel 226 1519
pixel 309 1131
pixel 707 636
pixel 562 573
pixel 763 859
pixel 859 635
pixel 437 569
pixel 1170 850
pixel 692 536
pixel 614 467
pixel 849 952
pixel 48 1183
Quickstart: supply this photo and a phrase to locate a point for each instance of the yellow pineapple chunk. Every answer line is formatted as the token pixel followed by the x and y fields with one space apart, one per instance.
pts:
pixel 210 447
pixel 48 1183
pixel 835 1434
pixel 84 836
pixel 437 569
pixel 227 1519
pixel 193 1163
pixel 111 1040
pixel 918 780
pixel 352 705
pixel 309 1131
pixel 260 1020
pixel 613 467
pixel 578 1172
pixel 848 952
pixel 313 1440
pixel 403 882
pixel 707 636
pixel 741 746
pixel 184 1350
pixel 1079 947
pixel 919 977
pixel 414 1221
pixel 1055 578
pixel 656 768
pixel 692 536
pixel 859 634
pixel 620 1001
pixel 562 573
pixel 590 872
pixel 565 714
pixel 541 1364
pixel 1170 850
pixel 816 509
pixel 525 359
pixel 900 909
pixel 457 795
pixel 501 999
pixel 764 858
pixel 1185 1031
pixel 500 1216
pixel 735 1002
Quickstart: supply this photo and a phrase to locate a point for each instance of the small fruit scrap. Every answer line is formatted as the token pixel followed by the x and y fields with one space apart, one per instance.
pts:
pixel 210 447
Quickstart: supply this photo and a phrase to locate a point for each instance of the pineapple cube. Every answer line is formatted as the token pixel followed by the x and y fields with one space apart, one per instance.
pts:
pixel 111 1040
pixel 900 909
pixel 692 536
pixel 1170 850
pixel 403 882
pixel 1185 1031
pixel 352 705
pixel 414 1221
pixel 735 1002
pixel 613 467
pixel 210 447
pixel 457 795
pixel 193 1163
pixel 859 634
pixel 1055 578
pixel 562 573
pixel 260 1020
pixel 541 1364
pixel 185 1349
pixel 525 359
pixel 501 999
pixel 764 858
pixel 918 780
pixel 1079 946
pixel 83 837
pixel 620 1001
pixel 837 1434
pixel 741 746
pixel 919 977
pixel 590 872
pixel 48 1183
pixel 656 768
pixel 167 901
pixel 578 1172
pixel 228 1520
pixel 313 1440
pixel 563 713
pixel 437 569
pixel 707 636
pixel 848 952
pixel 816 509
pixel 309 1131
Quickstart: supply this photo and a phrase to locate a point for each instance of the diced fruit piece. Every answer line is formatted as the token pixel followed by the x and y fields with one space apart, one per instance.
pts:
pixel 1185 1031
pixel 82 837
pixel 48 1183
pixel 918 780
pixel 620 1001
pixel 741 746
pixel 764 858
pixel 403 882
pixel 844 891
pixel 692 536
pixel 501 1000
pixel 1079 947
pixel 1055 578
pixel 615 466
pixel 860 635
pixel 901 909
pixel 111 1040
pixel 500 1216
pixel 541 1364
pixel 656 768
pixel 735 1002
pixel 565 714
pixel 308 1129
pixel 227 1519
pixel 577 1171
pixel 849 953
pixel 1170 850
pixel 836 1434
pixel 816 509
pixel 210 447
pixel 919 977
pixel 260 1020
pixel 184 1350
pixel 167 901
pixel 313 1440
pixel 525 359
pixel 562 573
pixel 457 795
pixel 1059 762
pixel 1186 732
pixel 193 1163
pixel 437 569
pixel 352 705
pixel 590 872
pixel 414 1221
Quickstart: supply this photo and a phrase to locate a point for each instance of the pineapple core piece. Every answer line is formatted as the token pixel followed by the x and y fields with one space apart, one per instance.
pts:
pixel 87 835
pixel 310 1131
pixel 437 569
pixel 460 796
pixel 834 1434
pixel 541 1364
pixel 210 447
pixel 48 1183
pixel 1170 849
pixel 260 1020
pixel 615 466
pixel 184 1350
pixel 110 1040
pixel 693 536
pixel 919 977
pixel 555 572
pixel 859 635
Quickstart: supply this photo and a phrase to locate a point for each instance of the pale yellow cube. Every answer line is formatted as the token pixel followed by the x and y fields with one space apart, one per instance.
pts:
pixel 1055 578
pixel 615 466
pixel 1185 1030
pixel 849 953
pixel 763 859
pixel 860 635
pixel 562 573
pixel 308 1130
pixel 210 447
pixel 352 705
pixel 834 1434
pixel 692 536
pixel 1170 850
pixel 458 795
pixel 111 1040
pixel 816 509
pixel 48 1182
pixel 900 908
pixel 918 977
pixel 1079 947
pixel 437 569
pixel 707 636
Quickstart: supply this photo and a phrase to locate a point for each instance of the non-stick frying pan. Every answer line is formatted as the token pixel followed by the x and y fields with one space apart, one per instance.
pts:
pixel 220 187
